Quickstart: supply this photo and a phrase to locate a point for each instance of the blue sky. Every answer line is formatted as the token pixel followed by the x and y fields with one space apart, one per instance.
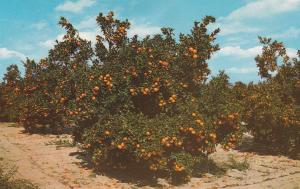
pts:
pixel 28 28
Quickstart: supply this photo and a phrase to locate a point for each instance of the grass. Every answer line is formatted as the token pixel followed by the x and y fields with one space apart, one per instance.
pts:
pixel 61 142
pixel 14 125
pixel 238 165
pixel 7 180
pixel 211 167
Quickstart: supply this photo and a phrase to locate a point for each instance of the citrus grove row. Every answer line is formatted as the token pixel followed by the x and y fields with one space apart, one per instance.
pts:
pixel 150 103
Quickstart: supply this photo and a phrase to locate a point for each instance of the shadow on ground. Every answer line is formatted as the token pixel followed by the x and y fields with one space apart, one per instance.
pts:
pixel 45 130
pixel 248 144
pixel 140 176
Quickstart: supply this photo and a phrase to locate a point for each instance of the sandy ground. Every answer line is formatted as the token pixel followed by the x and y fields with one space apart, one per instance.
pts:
pixel 59 168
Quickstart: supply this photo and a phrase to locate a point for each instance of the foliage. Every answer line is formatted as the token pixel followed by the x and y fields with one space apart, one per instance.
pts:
pixel 2 102
pixel 37 106
pixel 11 95
pixel 152 105
pixel 271 108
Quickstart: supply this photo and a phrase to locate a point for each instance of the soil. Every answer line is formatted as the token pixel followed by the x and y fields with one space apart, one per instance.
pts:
pixel 41 161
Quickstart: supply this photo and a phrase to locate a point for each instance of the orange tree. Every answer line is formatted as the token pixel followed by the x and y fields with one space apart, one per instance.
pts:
pixel 272 106
pixel 240 91
pixel 218 102
pixel 135 102
pixel 54 85
pixel 1 102
pixel 11 94
pixel 39 112
pixel 147 102
pixel 70 62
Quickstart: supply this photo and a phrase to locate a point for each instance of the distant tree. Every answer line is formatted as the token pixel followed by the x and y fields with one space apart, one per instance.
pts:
pixel 11 93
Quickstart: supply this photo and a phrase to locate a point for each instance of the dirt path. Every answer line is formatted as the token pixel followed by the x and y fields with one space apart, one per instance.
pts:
pixel 46 165
pixel 57 168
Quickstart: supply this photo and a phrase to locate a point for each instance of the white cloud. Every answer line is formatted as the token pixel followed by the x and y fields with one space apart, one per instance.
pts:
pixel 236 21
pixel 40 25
pixel 242 70
pixel 51 42
pixel 143 30
pixel 89 35
pixel 237 51
pixel 290 33
pixel 75 6
pixel 236 41
pixel 88 23
pixel 291 52
pixel 48 43
pixel 235 27
pixel 6 53
pixel 263 8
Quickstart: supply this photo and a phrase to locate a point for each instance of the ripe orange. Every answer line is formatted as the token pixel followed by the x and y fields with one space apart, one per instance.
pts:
pixel 96 88
pixel 155 89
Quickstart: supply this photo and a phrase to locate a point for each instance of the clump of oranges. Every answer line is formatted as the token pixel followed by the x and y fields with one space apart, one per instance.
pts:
pixel 107 80
pixel 193 53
